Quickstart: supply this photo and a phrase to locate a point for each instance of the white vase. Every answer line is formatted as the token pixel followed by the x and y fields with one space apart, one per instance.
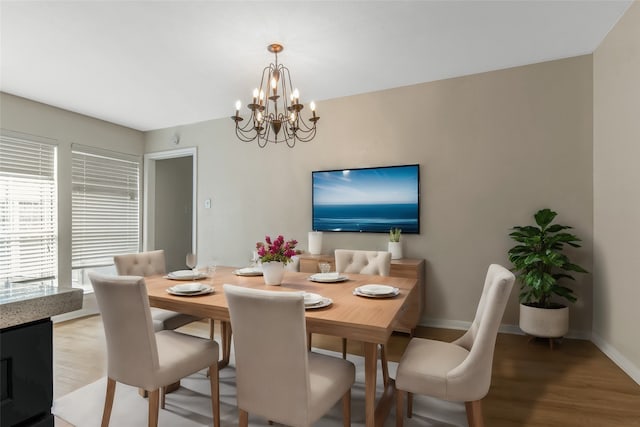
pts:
pixel 273 272
pixel 396 250
pixel 315 242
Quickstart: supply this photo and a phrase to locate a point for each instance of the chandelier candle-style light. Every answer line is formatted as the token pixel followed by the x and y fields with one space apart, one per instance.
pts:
pixel 277 118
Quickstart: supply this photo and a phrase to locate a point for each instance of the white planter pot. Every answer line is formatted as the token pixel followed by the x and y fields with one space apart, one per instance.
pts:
pixel 544 322
pixel 272 272
pixel 396 250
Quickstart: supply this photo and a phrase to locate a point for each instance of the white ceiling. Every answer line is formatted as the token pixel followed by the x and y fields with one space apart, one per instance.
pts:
pixel 156 64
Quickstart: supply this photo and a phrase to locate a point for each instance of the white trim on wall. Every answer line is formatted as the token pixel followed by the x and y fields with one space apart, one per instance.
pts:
pixel 504 328
pixel 612 353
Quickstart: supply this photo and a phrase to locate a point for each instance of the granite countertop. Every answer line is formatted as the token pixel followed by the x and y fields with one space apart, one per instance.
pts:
pixel 26 303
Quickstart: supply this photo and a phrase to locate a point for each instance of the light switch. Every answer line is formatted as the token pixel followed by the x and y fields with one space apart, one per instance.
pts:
pixel 207 204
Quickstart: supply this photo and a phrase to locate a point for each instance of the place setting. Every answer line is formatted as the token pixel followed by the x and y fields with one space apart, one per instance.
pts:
pixel 254 268
pixel 376 291
pixel 248 271
pixel 313 301
pixel 325 276
pixel 186 275
pixel 328 277
pixel 190 289
pixel 192 274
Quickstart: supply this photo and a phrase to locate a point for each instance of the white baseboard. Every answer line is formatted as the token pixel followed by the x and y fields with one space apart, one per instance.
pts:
pixel 612 353
pixel 463 325
pixel 504 328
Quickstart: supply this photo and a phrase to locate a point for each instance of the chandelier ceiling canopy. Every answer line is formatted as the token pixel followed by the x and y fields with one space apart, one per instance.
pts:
pixel 275 109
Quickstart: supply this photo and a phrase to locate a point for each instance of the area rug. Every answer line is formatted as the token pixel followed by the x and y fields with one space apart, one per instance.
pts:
pixel 190 405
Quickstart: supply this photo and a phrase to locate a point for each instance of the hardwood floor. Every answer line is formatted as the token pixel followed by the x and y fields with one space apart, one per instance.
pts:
pixel 573 385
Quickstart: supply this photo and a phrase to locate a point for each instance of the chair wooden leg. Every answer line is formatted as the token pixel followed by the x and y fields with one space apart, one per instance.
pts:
pixel 243 419
pixel 399 409
pixel 163 394
pixel 409 405
pixel 344 348
pixel 108 402
pixel 226 332
pixel 346 409
pixel 474 413
pixel 212 325
pixel 385 365
pixel 154 397
pixel 215 394
pixel 309 342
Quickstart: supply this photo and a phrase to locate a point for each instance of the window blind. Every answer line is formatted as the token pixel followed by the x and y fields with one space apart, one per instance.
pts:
pixel 105 208
pixel 28 204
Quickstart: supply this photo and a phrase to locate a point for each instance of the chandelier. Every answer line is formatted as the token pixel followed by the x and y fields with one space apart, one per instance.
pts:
pixel 276 118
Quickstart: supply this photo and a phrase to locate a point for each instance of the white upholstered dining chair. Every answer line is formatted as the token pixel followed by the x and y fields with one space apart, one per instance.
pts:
pixel 461 370
pixel 140 357
pixel 148 264
pixel 276 377
pixel 364 262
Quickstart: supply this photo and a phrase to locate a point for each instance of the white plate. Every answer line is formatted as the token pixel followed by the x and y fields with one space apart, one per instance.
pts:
pixel 312 299
pixel 181 273
pixel 186 275
pixel 188 288
pixel 325 302
pixel 327 277
pixel 204 291
pixel 376 290
pixel 357 292
pixel 248 272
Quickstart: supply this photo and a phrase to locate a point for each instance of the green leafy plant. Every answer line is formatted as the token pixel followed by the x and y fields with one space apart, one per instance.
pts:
pixel 394 234
pixel 539 263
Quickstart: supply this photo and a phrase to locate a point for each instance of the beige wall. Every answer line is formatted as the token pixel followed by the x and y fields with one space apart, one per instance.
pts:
pixel 493 148
pixel 617 192
pixel 25 116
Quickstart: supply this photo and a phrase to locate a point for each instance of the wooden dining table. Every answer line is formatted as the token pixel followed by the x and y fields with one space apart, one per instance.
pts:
pixel 369 320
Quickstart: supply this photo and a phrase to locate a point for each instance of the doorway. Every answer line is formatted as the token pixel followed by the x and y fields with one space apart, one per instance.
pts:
pixel 170 211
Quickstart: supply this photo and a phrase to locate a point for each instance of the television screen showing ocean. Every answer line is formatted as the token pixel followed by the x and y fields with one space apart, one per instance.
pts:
pixel 366 217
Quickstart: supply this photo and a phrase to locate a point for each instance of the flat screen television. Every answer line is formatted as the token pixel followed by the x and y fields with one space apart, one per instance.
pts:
pixel 370 200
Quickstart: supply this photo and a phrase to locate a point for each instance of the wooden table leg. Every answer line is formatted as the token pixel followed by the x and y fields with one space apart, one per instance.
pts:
pixel 376 412
pixel 370 373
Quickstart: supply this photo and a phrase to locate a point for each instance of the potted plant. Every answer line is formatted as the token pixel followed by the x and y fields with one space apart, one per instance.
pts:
pixel 395 247
pixel 541 267
pixel 274 255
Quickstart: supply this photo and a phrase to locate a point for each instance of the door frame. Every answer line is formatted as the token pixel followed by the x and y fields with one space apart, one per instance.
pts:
pixel 148 230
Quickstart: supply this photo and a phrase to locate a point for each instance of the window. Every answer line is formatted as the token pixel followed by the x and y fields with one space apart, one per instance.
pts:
pixel 105 209
pixel 28 205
